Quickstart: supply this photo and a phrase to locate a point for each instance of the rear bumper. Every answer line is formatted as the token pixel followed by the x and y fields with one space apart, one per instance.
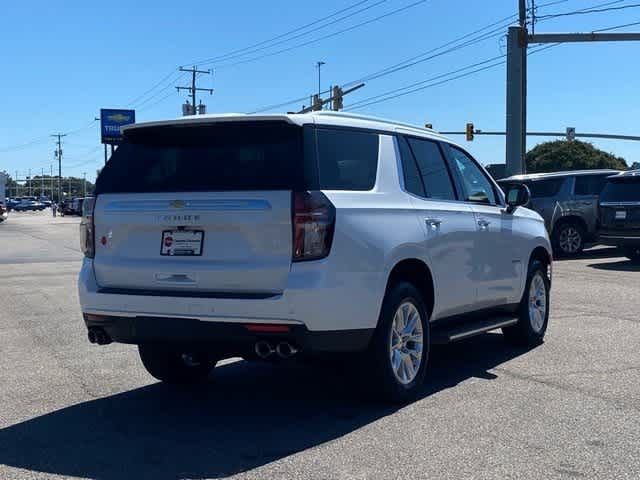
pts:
pixel 225 338
pixel 324 311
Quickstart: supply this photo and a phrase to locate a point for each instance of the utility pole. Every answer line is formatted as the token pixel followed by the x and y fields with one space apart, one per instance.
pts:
pixel 51 179
pixel 84 184
pixel 516 114
pixel 518 40
pixel 193 89
pixel 59 157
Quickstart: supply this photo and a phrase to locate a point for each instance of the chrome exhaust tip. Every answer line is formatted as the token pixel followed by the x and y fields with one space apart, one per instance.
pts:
pixel 263 349
pixel 286 350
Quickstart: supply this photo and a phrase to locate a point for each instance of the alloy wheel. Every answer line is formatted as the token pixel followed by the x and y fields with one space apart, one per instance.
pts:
pixel 406 343
pixel 570 239
pixel 537 302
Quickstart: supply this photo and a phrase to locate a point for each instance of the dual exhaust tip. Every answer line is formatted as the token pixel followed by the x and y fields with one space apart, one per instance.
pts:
pixel 283 349
pixel 99 336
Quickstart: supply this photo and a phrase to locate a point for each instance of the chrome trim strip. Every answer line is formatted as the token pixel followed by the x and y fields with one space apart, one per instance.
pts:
pixel 165 206
pixel 202 318
pixel 620 204
pixel 619 237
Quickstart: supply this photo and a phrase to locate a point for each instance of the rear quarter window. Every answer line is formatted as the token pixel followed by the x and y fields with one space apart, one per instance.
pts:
pixel 347 159
pixel 589 184
pixel 545 188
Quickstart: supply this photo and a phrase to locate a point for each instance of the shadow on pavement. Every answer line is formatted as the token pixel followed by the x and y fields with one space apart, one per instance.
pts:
pixel 592 254
pixel 623 266
pixel 248 416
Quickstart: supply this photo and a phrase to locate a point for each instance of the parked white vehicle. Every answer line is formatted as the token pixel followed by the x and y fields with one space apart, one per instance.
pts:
pixel 279 235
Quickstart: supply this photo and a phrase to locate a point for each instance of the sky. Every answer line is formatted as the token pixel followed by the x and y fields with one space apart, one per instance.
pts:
pixel 63 61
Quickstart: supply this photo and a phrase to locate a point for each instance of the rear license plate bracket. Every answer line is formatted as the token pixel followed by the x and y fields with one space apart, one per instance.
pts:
pixel 181 243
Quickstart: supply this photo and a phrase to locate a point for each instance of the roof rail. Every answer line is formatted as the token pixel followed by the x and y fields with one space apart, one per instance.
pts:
pixel 326 113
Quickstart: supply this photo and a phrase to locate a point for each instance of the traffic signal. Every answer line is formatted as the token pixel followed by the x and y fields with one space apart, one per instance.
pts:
pixel 571 134
pixel 337 95
pixel 317 103
pixel 469 132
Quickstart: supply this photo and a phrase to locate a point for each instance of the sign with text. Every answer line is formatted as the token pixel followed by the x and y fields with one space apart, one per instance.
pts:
pixel 110 123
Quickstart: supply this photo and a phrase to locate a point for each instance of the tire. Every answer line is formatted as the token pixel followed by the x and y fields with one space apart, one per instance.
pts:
pixel 173 366
pixel 633 254
pixel 568 239
pixel 533 318
pixel 402 383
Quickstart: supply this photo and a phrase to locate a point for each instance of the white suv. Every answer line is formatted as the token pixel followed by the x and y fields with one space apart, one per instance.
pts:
pixel 274 236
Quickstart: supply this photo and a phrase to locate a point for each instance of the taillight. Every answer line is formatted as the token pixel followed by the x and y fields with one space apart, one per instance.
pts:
pixel 314 220
pixel 87 229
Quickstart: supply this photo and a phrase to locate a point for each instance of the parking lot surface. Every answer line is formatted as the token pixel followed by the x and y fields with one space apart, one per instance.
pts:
pixel 569 408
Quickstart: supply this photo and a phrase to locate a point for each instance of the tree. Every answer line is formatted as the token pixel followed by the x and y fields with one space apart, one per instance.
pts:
pixel 635 166
pixel 562 155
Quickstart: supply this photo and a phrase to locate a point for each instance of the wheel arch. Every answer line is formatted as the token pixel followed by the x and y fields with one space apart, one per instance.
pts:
pixel 416 272
pixel 572 218
pixel 542 255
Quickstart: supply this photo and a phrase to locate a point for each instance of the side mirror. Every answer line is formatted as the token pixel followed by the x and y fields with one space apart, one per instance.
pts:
pixel 517 196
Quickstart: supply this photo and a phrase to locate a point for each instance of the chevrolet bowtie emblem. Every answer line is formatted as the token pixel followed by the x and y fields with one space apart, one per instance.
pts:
pixel 178 204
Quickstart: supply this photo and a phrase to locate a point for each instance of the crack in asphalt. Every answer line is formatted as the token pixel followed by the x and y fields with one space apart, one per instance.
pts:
pixel 567 388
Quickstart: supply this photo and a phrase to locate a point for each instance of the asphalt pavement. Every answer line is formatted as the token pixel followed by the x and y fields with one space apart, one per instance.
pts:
pixel 569 408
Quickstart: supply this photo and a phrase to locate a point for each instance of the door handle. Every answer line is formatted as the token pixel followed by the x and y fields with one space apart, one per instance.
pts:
pixel 484 224
pixel 433 222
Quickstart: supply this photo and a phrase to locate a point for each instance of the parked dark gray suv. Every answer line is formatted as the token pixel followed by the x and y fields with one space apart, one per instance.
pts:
pixel 568 202
pixel 620 213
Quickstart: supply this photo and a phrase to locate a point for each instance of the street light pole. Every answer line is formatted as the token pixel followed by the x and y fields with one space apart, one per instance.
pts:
pixel 319 66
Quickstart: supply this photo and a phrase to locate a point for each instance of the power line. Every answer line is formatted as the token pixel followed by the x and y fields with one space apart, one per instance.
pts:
pixel 324 37
pixel 433 81
pixel 390 95
pixel 248 51
pixel 416 59
pixel 149 107
pixel 159 92
pixel 408 63
pixel 43 139
pixel 277 37
pixel 587 11
pixel 164 79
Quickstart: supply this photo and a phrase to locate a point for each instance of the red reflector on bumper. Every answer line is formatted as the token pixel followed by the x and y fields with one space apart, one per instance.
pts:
pixel 266 328
pixel 90 317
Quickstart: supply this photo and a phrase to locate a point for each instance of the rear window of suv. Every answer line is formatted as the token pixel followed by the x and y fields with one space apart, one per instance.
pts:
pixel 224 156
pixel 621 190
pixel 241 156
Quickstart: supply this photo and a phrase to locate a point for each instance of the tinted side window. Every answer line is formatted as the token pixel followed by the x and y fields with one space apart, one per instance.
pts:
pixel 433 169
pixel 478 187
pixel 412 181
pixel 589 184
pixel 347 159
pixel 545 188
